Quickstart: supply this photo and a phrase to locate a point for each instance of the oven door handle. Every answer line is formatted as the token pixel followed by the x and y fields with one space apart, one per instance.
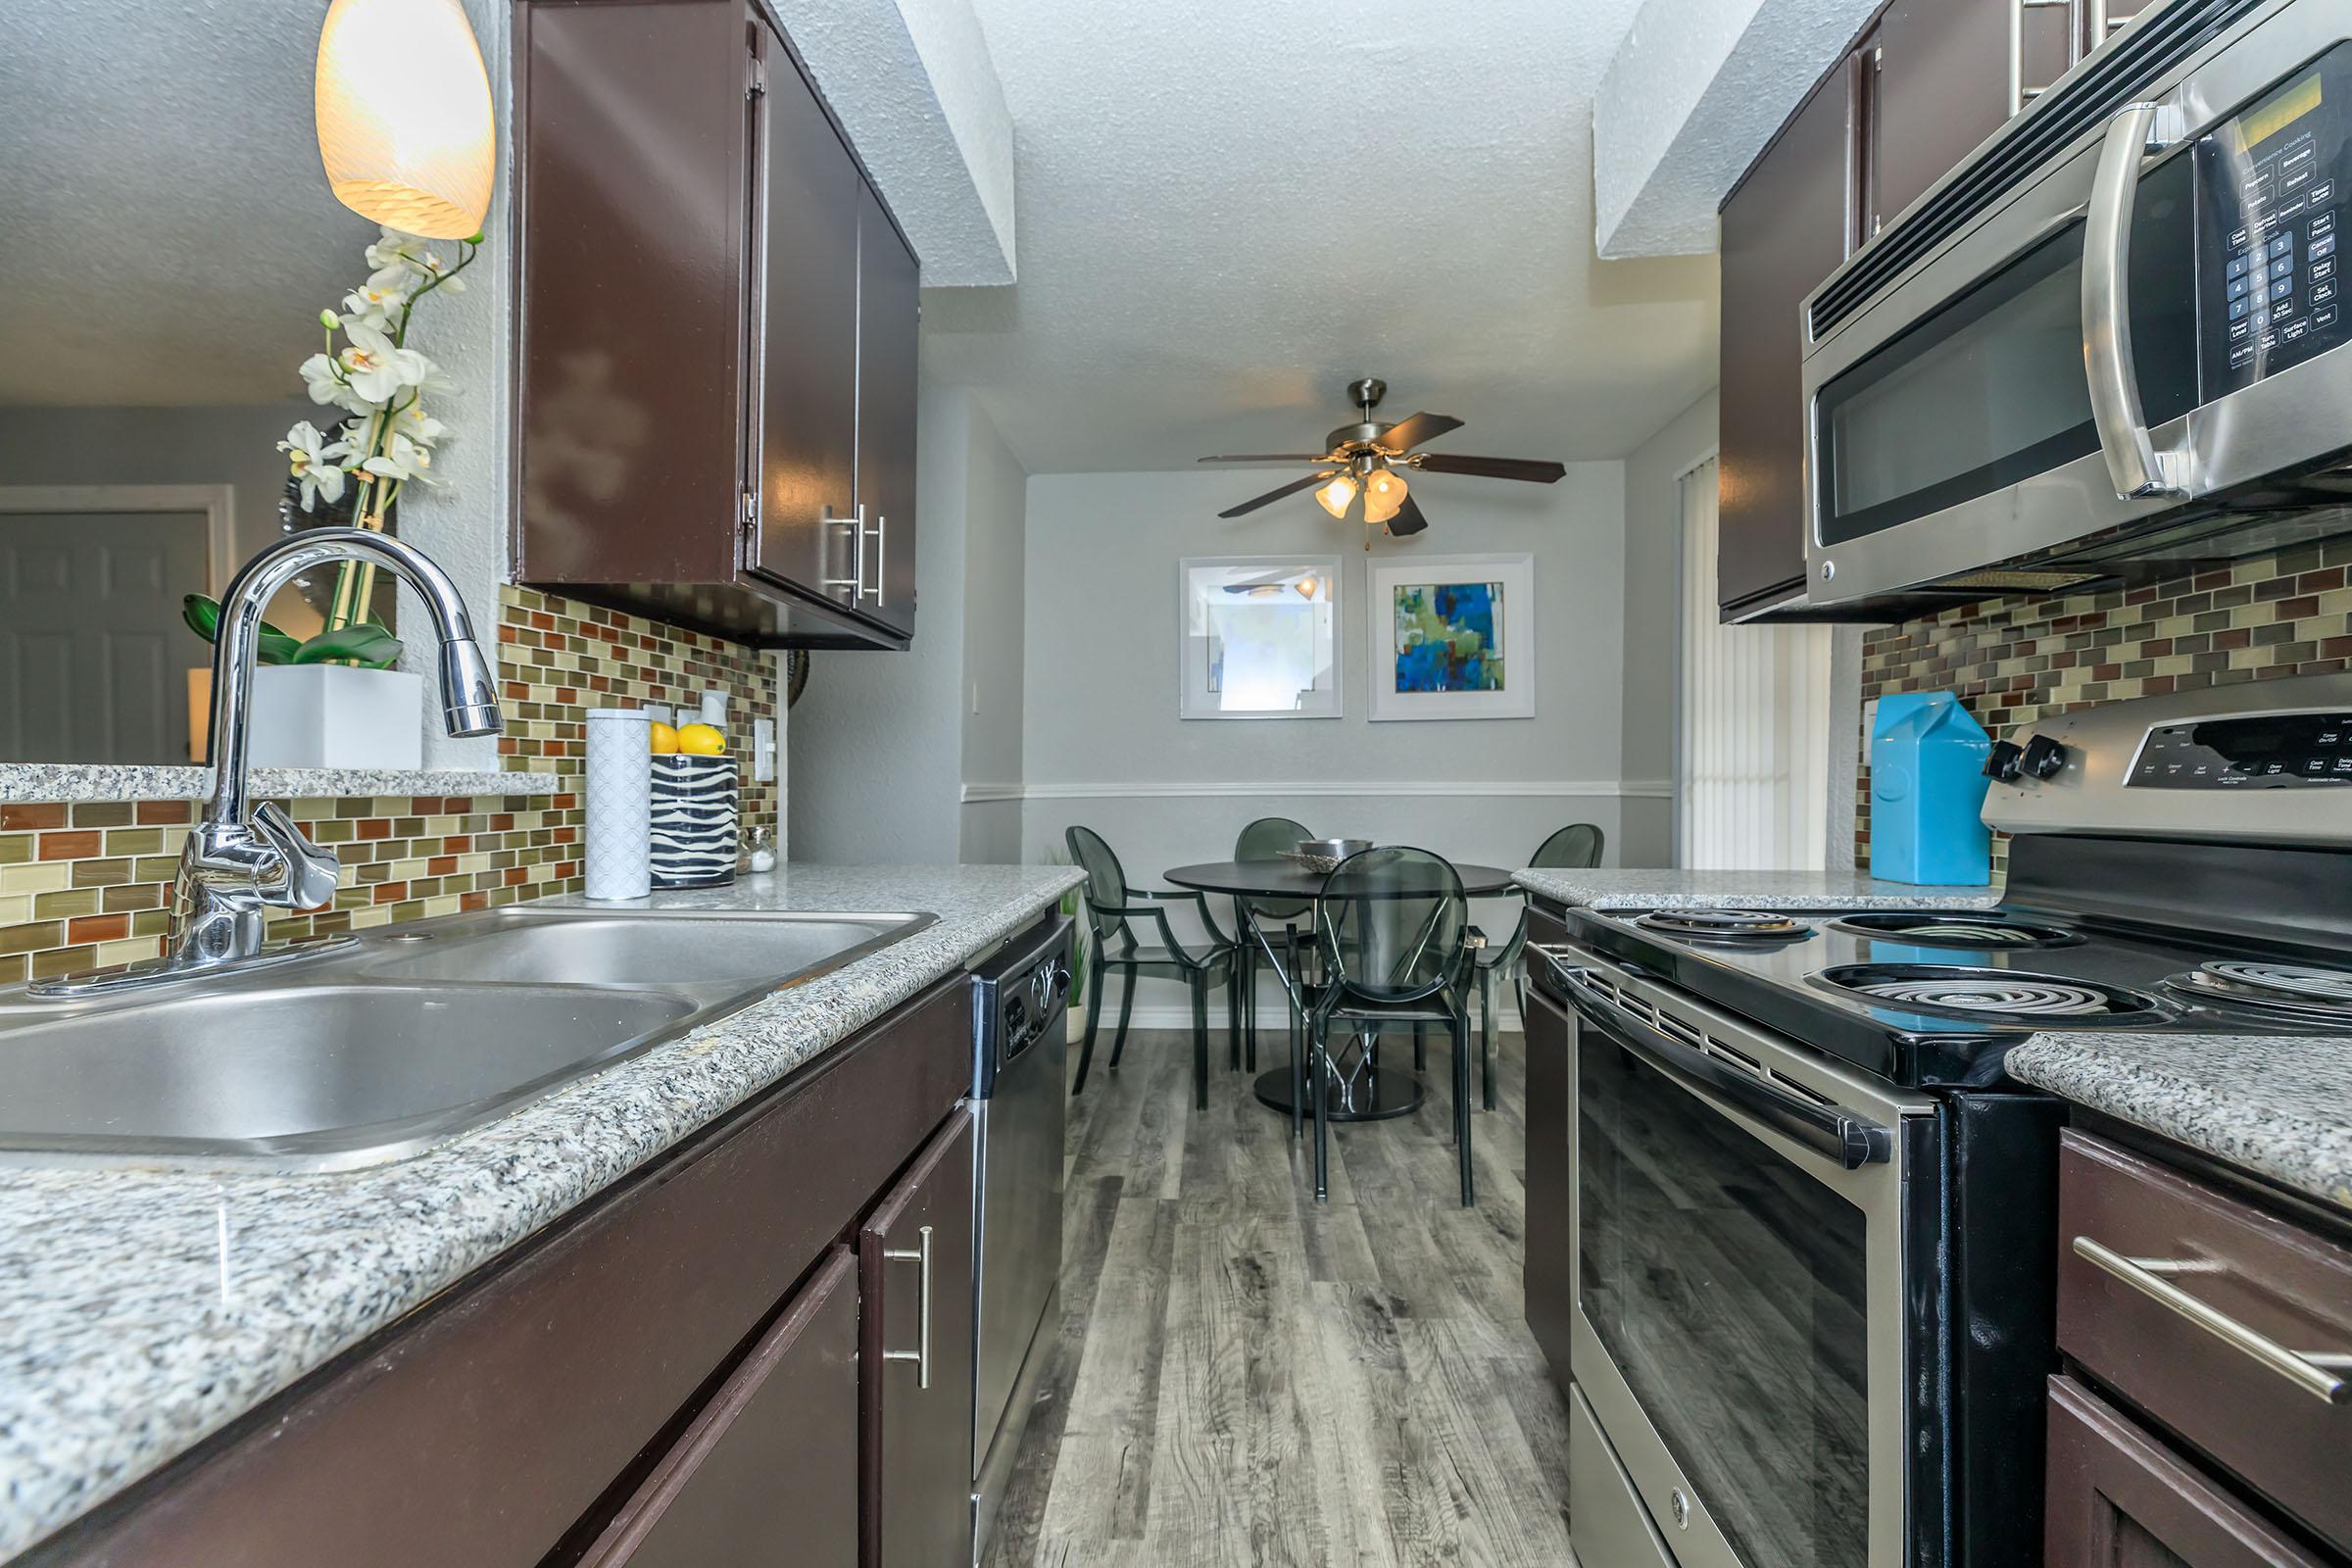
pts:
pixel 2137 468
pixel 1850 1139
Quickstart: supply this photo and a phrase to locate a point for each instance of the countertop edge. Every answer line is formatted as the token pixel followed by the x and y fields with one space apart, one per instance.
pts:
pixel 26 783
pixel 2279 1105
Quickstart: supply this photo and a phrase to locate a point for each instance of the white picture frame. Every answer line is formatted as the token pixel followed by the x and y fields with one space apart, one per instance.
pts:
pixel 1395 627
pixel 1258 637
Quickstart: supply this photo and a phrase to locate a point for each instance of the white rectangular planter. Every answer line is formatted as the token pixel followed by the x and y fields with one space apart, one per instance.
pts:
pixel 332 716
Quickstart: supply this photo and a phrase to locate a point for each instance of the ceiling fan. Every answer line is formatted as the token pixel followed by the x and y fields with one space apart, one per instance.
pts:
pixel 1367 461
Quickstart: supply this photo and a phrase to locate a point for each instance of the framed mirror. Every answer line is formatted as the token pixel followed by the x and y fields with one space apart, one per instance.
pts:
pixel 1260 637
pixel 168 240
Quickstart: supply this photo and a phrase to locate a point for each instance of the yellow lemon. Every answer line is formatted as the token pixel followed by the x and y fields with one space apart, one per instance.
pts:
pixel 665 740
pixel 700 740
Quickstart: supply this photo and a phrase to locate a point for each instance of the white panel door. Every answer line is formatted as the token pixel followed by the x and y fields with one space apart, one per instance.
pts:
pixel 93 655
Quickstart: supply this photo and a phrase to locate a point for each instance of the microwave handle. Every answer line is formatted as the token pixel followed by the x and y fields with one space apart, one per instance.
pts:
pixel 2139 471
pixel 1852 1140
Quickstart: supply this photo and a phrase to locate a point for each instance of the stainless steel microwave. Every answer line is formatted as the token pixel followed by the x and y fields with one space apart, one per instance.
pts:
pixel 2110 345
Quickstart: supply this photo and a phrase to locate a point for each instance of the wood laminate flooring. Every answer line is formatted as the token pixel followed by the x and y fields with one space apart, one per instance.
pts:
pixel 1246 1377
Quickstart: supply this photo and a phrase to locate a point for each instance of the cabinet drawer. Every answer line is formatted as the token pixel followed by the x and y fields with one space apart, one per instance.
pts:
pixel 1609 1527
pixel 2223 1323
pixel 772 1460
pixel 2118 1498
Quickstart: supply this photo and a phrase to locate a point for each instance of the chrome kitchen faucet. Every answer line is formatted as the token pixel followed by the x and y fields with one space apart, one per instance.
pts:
pixel 243 859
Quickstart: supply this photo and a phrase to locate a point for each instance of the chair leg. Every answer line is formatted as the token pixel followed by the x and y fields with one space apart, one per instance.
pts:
pixel 1298 1073
pixel 1316 1074
pixel 1094 1022
pixel 1420 1048
pixel 1486 1034
pixel 1233 1015
pixel 1118 1042
pixel 1250 1009
pixel 1201 1041
pixel 1461 1101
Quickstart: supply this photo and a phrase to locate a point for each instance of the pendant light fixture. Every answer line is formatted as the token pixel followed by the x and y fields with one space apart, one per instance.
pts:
pixel 406 127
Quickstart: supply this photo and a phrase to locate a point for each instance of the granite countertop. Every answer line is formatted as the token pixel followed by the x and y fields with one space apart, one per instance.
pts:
pixel 142 1310
pixel 2280 1105
pixel 1608 888
pixel 82 781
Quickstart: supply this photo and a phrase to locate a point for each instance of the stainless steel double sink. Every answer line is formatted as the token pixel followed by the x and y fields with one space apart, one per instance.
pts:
pixel 376 1048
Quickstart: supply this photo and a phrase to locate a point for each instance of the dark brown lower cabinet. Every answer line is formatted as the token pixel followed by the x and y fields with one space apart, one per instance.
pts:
pixel 767 1471
pixel 1550 1274
pixel 2119 1499
pixel 914 1258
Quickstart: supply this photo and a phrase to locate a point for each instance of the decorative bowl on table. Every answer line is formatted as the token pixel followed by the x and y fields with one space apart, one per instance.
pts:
pixel 1325 855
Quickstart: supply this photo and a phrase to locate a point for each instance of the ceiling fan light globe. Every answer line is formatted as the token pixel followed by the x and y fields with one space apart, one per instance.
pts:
pixel 1384 495
pixel 1337 496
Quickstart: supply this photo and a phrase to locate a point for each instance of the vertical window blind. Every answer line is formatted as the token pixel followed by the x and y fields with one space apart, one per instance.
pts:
pixel 1754 759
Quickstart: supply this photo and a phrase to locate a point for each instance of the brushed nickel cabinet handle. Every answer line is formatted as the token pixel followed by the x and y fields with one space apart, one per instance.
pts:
pixel 2147 1275
pixel 881 533
pixel 855 582
pixel 2020 94
pixel 921 1255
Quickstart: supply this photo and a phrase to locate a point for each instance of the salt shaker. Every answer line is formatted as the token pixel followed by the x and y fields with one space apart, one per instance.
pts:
pixel 620 785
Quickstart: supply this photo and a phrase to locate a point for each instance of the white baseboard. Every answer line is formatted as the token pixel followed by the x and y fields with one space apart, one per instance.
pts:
pixel 1221 789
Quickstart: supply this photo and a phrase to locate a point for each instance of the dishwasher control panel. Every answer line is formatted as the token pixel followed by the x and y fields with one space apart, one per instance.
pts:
pixel 1019 993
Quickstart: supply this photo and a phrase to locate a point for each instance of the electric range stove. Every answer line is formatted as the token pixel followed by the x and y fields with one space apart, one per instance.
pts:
pixel 1793 1245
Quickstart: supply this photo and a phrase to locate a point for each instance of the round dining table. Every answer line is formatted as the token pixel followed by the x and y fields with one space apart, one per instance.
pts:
pixel 1379 1093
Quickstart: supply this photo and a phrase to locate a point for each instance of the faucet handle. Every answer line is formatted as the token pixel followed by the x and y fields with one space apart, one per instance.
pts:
pixel 312 873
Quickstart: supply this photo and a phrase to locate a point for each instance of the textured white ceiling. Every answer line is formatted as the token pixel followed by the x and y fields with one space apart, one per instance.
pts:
pixel 1228 207
pixel 1696 89
pixel 165 233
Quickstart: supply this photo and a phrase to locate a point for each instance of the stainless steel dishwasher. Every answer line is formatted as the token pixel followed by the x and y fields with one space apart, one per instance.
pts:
pixel 1021 993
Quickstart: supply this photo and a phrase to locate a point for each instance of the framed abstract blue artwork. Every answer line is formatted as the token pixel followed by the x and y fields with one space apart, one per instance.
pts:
pixel 1452 637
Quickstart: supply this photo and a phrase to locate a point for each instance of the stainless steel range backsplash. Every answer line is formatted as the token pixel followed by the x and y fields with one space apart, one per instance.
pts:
pixel 2016 661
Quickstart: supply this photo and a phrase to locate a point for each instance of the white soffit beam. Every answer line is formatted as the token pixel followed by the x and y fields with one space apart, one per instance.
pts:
pixel 913 83
pixel 1693 94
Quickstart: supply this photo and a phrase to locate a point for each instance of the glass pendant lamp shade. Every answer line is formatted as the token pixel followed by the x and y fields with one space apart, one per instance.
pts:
pixel 1384 495
pixel 1337 496
pixel 406 129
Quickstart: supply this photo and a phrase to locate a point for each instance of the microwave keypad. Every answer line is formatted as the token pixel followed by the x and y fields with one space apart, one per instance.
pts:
pixel 2276 175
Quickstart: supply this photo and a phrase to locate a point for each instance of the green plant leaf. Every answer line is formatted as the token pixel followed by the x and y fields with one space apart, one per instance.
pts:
pixel 366 644
pixel 203 615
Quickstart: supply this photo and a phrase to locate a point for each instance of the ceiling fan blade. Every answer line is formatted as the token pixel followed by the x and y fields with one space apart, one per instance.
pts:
pixel 1526 468
pixel 1408 520
pixel 1271 496
pixel 1273 456
pixel 1414 429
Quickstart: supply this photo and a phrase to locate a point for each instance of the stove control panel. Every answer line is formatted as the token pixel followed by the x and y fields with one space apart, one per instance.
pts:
pixel 2265 751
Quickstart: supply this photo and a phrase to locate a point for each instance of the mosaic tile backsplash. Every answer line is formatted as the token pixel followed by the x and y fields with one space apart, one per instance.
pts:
pixel 2015 661
pixel 88 883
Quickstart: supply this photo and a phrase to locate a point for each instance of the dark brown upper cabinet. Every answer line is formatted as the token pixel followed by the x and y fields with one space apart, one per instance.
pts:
pixel 1784 228
pixel 1923 86
pixel 718 329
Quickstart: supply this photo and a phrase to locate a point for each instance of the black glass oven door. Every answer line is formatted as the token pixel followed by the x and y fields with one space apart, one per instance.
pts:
pixel 1730 1290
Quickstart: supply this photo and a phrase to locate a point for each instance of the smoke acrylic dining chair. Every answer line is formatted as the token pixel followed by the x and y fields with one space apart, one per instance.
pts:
pixel 1111 904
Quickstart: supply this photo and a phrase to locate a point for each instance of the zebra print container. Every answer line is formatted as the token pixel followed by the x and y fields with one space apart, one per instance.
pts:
pixel 694 822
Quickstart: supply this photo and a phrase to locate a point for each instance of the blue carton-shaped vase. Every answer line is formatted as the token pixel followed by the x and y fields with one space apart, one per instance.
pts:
pixel 1927 793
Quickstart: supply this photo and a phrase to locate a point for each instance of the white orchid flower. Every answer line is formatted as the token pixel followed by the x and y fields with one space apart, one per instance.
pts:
pixel 392 248
pixel 371 305
pixel 327 387
pixel 401 461
pixel 378 370
pixel 430 377
pixel 416 425
pixel 311 457
pixel 431 265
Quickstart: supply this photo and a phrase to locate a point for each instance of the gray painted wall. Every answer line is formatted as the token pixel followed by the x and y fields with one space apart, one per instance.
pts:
pixel 880 741
pixel 1100 699
pixel 1654 557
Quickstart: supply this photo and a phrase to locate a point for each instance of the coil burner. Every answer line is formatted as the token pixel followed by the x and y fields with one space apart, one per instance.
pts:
pixel 1984 995
pixel 2299 990
pixel 1960 929
pixel 1745 927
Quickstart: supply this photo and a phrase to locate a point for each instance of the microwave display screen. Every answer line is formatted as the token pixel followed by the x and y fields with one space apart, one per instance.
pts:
pixel 2267 751
pixel 2272 178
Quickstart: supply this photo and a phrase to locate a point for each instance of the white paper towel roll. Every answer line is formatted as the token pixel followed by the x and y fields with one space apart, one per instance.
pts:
pixel 620 775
